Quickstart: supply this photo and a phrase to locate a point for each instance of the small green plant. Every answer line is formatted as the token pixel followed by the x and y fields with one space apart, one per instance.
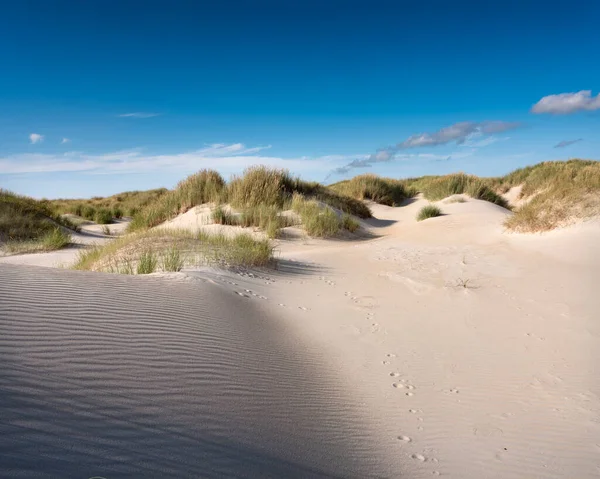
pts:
pixel 222 217
pixel 117 212
pixel 147 262
pixel 429 211
pixel 55 239
pixel 106 230
pixel 103 216
pixel 171 260
pixel 349 223
pixel 88 212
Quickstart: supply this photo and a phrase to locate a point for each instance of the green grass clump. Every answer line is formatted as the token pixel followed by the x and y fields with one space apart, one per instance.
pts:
pixel 171 260
pixel 103 216
pixel 386 191
pixel 438 188
pixel 147 262
pixel 206 186
pixel 222 217
pixel 117 212
pixel 429 211
pixel 317 220
pixel 55 239
pixel 88 212
pixel 349 223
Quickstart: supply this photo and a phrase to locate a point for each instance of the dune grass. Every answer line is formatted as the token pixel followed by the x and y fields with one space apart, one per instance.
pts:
pixel 122 204
pixel 28 225
pixel 428 211
pixel 560 192
pixel 320 220
pixel 386 191
pixel 438 188
pixel 206 186
pixel 170 250
pixel 261 185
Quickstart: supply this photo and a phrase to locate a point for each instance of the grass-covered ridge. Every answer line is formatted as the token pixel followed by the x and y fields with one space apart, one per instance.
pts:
pixel 170 250
pixel 259 197
pixel 386 191
pixel 559 193
pixel 29 225
pixel 127 203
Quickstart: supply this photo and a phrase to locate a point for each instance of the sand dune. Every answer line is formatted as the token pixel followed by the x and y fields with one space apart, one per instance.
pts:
pixel 444 347
pixel 143 377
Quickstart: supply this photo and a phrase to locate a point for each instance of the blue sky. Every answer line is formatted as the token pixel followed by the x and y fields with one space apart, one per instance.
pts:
pixel 98 97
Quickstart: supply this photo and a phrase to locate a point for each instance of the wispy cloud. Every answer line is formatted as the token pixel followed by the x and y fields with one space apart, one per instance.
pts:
pixel 565 103
pixel 457 133
pixel 225 158
pixel 65 140
pixel 564 143
pixel 138 114
pixel 36 138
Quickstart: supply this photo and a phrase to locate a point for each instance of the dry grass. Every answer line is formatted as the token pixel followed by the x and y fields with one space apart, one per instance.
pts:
pixel 561 192
pixel 171 250
pixel 386 191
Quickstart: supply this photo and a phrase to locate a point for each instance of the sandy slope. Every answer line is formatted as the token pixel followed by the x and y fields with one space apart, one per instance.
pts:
pixel 446 347
pixel 117 376
pixel 498 379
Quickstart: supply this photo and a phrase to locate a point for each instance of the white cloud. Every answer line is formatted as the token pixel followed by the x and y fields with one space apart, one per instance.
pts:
pixel 225 158
pixel 36 138
pixel 565 103
pixel 65 140
pixel 138 114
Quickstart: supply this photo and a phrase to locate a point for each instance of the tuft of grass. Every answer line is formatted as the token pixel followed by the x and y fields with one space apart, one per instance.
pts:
pixel 103 216
pixel 455 199
pixel 117 212
pixel 55 239
pixel 171 260
pixel 147 262
pixel 429 211
pixel 386 191
pixel 88 212
pixel 317 220
pixel 349 223
pixel 222 217
pixel 106 230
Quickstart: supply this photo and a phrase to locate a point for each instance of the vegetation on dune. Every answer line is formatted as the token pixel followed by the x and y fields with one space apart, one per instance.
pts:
pixel 203 187
pixel 320 220
pixel 260 185
pixel 170 250
pixel 259 195
pixel 386 191
pixel 123 204
pixel 429 211
pixel 438 188
pixel 30 225
pixel 559 192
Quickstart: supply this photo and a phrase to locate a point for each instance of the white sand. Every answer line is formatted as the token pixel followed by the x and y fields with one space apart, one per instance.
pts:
pixel 446 347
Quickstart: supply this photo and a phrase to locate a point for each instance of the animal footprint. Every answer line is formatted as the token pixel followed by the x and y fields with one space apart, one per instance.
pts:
pixel 419 457
pixel 302 308
pixel 404 438
pixel 390 355
pixel 394 375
